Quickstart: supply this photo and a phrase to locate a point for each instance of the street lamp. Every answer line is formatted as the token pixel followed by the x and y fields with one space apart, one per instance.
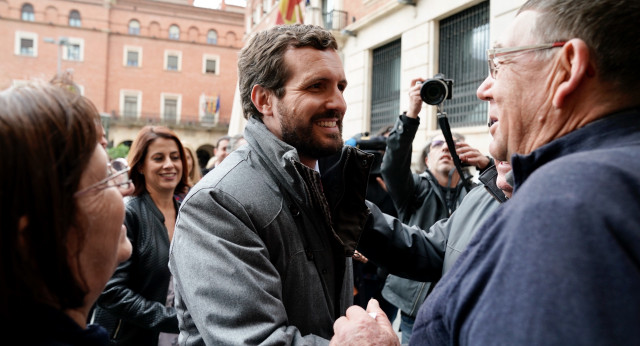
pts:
pixel 61 41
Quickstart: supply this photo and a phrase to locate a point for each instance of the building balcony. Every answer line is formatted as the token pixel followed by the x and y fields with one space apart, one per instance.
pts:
pixel 185 122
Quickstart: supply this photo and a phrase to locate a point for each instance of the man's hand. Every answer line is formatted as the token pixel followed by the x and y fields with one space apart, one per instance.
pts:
pixel 415 101
pixel 360 327
pixel 359 257
pixel 472 156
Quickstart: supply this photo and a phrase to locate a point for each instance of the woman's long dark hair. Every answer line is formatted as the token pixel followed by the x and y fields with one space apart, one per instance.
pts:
pixel 47 138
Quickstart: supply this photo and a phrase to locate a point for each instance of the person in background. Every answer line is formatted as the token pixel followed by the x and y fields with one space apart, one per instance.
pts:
pixel 236 142
pixel 193 171
pixel 62 215
pixel 220 152
pixel 421 199
pixel 137 303
pixel 262 250
pixel 194 175
pixel 564 88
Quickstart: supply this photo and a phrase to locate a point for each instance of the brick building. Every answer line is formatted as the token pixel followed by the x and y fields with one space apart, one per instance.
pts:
pixel 140 61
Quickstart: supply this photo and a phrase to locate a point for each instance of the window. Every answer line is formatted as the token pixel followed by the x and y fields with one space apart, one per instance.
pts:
pixel 73 49
pixel 130 103
pixel 132 56
pixel 332 16
pixel 255 18
pixel 74 19
pixel 27 13
pixel 464 39
pixel 385 81
pixel 171 108
pixel 26 44
pixel 212 37
pixel 172 60
pixel 134 27
pixel 73 52
pixel 210 64
pixel 174 32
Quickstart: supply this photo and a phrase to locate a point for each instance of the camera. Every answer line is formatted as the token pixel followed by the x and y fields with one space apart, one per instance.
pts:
pixel 434 91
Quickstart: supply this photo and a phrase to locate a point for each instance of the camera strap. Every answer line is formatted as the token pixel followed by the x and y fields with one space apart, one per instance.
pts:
pixel 443 121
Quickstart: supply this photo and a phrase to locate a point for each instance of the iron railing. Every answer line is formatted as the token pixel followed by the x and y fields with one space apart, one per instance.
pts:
pixel 385 85
pixel 185 121
pixel 334 20
pixel 464 39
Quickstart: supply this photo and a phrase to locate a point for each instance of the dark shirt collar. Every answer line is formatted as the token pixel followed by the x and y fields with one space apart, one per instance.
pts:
pixel 617 129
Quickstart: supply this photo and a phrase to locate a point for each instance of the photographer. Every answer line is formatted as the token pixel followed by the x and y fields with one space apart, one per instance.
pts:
pixel 421 199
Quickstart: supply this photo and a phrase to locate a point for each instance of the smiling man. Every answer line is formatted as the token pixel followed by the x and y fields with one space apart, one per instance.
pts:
pixel 263 244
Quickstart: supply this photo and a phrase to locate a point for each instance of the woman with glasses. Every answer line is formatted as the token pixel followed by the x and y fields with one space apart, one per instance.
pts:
pixel 62 212
pixel 137 303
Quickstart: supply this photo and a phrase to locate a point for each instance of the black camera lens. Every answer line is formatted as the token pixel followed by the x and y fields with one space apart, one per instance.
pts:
pixel 434 91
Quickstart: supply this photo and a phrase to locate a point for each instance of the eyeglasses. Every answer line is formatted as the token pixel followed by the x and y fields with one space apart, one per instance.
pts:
pixel 494 53
pixel 118 177
pixel 438 143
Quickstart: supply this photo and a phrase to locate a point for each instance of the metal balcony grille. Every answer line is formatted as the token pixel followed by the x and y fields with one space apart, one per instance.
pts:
pixel 464 39
pixel 334 20
pixel 385 85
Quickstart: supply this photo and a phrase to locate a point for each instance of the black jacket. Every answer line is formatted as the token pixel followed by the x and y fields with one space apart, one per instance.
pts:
pixel 132 305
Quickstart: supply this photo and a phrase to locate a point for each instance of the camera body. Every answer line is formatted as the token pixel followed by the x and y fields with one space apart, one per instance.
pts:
pixel 437 89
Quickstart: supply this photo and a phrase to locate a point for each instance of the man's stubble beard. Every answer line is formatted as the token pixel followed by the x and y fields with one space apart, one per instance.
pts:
pixel 302 138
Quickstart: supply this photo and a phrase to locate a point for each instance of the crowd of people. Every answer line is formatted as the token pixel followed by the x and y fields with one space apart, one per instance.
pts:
pixel 545 249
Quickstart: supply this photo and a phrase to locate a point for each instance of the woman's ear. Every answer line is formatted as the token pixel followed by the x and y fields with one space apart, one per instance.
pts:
pixel 23 222
pixel 261 100
pixel 575 61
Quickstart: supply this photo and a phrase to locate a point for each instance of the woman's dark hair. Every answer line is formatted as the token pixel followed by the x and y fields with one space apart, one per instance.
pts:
pixel 47 138
pixel 138 152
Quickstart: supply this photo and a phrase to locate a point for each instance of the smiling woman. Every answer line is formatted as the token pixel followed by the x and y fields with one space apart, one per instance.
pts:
pixel 158 164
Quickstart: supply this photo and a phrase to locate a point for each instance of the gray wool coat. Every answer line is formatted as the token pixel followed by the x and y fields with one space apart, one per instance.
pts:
pixel 261 250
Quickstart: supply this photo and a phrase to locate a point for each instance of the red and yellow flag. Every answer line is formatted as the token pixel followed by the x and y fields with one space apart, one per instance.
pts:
pixel 289 12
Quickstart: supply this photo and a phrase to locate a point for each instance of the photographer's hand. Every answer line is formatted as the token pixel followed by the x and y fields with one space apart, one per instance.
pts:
pixel 415 102
pixel 472 156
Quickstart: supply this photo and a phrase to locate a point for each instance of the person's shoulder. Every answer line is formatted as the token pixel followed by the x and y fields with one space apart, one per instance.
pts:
pixel 132 202
pixel 582 181
pixel 478 192
pixel 238 176
pixel 587 167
